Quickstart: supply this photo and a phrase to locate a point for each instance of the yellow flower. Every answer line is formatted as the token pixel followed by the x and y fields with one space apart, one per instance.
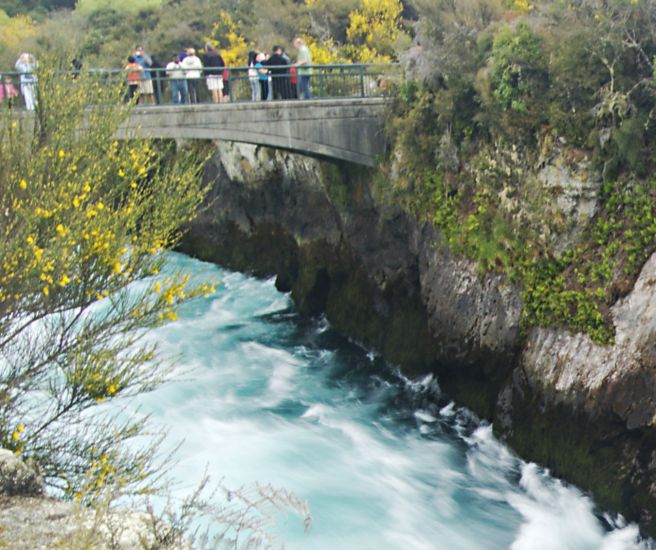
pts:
pixel 46 290
pixel 61 230
pixel 23 184
pixel 64 280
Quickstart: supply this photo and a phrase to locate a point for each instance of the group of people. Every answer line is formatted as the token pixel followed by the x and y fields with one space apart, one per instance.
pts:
pixel 276 77
pixel 272 76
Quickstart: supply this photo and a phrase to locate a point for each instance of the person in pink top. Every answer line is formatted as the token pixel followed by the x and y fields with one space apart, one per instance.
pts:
pixel 7 90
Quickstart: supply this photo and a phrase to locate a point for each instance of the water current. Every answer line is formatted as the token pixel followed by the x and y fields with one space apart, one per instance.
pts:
pixel 384 462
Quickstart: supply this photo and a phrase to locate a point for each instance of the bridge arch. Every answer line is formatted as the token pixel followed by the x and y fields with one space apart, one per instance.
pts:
pixel 344 129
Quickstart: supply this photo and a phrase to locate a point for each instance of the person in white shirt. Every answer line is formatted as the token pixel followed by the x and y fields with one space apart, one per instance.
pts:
pixel 176 75
pixel 192 66
pixel 26 66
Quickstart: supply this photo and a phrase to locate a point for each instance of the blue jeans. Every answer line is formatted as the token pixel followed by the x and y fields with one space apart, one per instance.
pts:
pixel 304 85
pixel 179 91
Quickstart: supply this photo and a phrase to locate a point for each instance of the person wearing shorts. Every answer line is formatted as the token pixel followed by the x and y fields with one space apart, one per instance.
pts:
pixel 146 92
pixel 213 67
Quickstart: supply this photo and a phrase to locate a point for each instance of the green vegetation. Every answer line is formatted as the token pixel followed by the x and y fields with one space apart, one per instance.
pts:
pixel 81 224
pixel 566 84
pixel 86 222
pixel 102 32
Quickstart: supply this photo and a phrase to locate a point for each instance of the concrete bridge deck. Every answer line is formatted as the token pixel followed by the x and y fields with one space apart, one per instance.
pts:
pixel 344 129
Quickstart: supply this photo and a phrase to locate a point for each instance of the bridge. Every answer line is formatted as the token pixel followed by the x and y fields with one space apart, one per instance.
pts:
pixel 349 129
pixel 344 121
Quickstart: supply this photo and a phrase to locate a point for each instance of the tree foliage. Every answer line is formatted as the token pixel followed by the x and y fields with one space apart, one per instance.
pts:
pixel 84 223
pixel 503 89
pixel 104 32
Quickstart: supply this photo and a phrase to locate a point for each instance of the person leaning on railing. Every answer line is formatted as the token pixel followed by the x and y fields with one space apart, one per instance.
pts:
pixel 176 74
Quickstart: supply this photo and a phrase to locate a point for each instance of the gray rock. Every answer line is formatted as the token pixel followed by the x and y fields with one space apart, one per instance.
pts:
pixel 17 478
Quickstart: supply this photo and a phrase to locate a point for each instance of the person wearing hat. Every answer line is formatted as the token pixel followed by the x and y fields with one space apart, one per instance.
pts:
pixel 192 66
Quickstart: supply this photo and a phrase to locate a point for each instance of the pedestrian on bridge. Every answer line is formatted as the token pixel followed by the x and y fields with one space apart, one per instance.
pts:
pixel 134 73
pixel 176 74
pixel 146 91
pixel 253 76
pixel 263 77
pixel 304 70
pixel 7 90
pixel 279 70
pixel 26 66
pixel 192 66
pixel 214 65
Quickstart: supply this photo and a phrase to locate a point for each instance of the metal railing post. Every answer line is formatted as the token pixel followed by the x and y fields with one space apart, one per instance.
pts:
pixel 361 80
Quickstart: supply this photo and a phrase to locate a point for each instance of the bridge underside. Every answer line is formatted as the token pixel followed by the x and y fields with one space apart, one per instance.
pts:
pixel 344 129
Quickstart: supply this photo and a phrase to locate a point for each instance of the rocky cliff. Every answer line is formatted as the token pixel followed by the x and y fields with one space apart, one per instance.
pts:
pixel 388 281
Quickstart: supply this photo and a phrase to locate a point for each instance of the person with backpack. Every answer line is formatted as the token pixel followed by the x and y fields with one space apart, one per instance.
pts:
pixel 134 73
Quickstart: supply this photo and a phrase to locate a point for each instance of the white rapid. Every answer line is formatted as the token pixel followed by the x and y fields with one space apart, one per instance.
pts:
pixel 385 463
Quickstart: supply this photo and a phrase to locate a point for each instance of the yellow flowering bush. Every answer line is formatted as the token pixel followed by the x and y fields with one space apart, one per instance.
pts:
pixel 84 217
pixel 227 38
pixel 373 29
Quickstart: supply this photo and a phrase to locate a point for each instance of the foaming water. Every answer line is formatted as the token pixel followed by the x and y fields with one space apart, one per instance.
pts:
pixel 385 463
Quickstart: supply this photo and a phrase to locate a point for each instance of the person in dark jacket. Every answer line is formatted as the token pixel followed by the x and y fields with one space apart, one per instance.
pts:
pixel 279 70
pixel 213 68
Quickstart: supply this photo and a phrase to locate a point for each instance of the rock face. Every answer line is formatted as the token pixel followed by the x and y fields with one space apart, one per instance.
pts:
pixel 586 411
pixel 605 397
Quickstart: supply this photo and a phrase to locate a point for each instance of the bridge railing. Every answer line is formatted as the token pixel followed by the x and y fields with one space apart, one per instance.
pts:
pixel 240 84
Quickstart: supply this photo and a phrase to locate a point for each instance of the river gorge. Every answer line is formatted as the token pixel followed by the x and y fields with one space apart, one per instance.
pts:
pixel 264 395
pixel 386 282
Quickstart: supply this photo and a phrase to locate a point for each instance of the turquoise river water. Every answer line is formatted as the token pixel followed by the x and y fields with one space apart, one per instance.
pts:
pixel 384 462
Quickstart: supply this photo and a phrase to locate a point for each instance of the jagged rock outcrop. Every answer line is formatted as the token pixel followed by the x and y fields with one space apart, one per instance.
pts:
pixel 604 397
